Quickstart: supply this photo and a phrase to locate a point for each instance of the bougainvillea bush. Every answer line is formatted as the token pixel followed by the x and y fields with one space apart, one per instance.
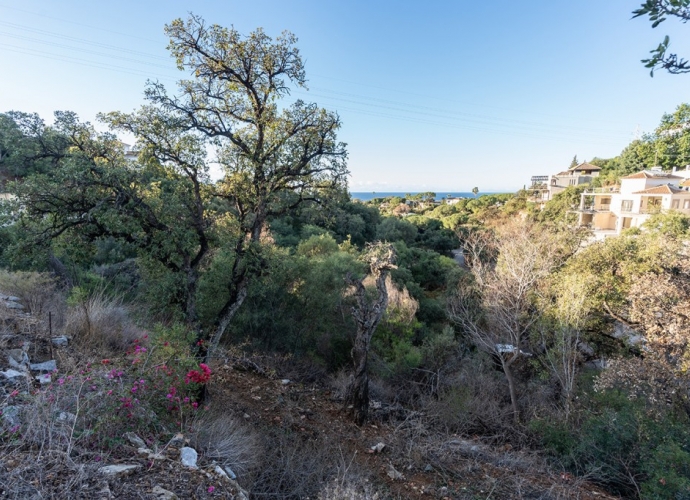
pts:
pixel 151 390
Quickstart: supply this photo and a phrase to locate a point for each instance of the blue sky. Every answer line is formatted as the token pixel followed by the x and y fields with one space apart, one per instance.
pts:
pixel 436 95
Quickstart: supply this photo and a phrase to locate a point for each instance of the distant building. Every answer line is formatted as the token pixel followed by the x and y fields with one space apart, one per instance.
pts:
pixel 609 210
pixel 545 187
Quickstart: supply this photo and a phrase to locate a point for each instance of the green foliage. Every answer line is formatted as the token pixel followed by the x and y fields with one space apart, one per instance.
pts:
pixel 392 229
pixel 658 11
pixel 668 472
pixel 314 246
pixel 671 224
pixel 620 444
pixel 299 306
pixel 560 207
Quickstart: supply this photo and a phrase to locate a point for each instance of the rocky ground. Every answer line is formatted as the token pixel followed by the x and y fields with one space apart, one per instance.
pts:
pixel 302 441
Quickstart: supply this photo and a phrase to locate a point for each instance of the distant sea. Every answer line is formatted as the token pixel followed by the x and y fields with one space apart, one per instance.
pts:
pixel 439 194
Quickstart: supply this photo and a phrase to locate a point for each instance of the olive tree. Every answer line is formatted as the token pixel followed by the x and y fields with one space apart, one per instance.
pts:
pixel 367 312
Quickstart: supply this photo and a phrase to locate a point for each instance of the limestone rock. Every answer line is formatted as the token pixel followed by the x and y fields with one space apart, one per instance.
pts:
pixel 46 366
pixel 119 470
pixel 18 358
pixel 188 457
pixel 163 494
pixel 135 440
pixel 44 378
pixel 378 448
pixel 12 374
pixel 59 341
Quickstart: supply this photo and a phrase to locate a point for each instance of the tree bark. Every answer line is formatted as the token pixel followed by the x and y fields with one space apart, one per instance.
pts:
pixel 511 389
pixel 367 314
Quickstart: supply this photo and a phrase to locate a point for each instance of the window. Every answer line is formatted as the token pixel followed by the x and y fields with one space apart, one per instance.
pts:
pixel 675 204
pixel 626 206
pixel 686 204
pixel 605 201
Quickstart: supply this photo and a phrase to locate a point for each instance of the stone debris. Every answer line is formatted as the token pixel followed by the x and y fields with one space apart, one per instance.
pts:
pixel 60 341
pixel 394 474
pixel 18 358
pixel 119 470
pixel 44 378
pixel 46 366
pixel 188 457
pixel 378 448
pixel 163 494
pixel 285 381
pixel 135 440
pixel 13 305
pixel 12 374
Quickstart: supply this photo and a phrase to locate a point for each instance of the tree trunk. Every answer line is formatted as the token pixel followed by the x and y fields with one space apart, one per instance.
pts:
pixel 226 315
pixel 367 314
pixel 511 388
pixel 358 395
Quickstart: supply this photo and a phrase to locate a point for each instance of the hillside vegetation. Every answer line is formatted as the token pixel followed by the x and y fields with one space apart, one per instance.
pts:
pixel 304 345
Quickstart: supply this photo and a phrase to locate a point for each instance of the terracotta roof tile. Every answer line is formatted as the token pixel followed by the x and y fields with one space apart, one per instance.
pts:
pixel 651 175
pixel 665 189
pixel 584 166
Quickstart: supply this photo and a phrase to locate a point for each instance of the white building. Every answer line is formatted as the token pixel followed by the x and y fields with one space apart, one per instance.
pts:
pixel 544 187
pixel 612 209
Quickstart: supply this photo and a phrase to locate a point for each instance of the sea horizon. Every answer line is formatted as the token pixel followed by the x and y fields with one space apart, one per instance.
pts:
pixel 370 195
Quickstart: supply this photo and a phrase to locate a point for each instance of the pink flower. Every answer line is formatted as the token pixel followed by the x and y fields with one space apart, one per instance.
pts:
pixel 211 489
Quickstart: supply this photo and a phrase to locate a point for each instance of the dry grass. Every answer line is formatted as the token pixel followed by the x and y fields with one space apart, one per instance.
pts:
pixel 102 322
pixel 222 438
pixel 38 293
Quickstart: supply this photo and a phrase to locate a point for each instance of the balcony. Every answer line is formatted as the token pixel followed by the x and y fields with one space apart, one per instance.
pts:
pixel 591 208
pixel 602 190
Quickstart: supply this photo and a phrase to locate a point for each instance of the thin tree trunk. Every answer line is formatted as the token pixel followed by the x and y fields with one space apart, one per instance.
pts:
pixel 367 314
pixel 511 388
pixel 224 319
pixel 359 388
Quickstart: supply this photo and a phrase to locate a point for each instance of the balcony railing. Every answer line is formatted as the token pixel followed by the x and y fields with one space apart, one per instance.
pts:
pixel 604 207
pixel 602 190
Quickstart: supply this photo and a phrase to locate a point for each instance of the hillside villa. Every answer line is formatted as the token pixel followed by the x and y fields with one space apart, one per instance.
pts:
pixel 609 210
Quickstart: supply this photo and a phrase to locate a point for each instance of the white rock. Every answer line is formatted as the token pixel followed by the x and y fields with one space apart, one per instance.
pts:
pixel 163 494
pixel 18 358
pixel 14 305
pixel 118 470
pixel 60 341
pixel 188 456
pixel 11 374
pixel 46 366
pixel 378 448
pixel 44 378
pixel 135 440
pixel 285 381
